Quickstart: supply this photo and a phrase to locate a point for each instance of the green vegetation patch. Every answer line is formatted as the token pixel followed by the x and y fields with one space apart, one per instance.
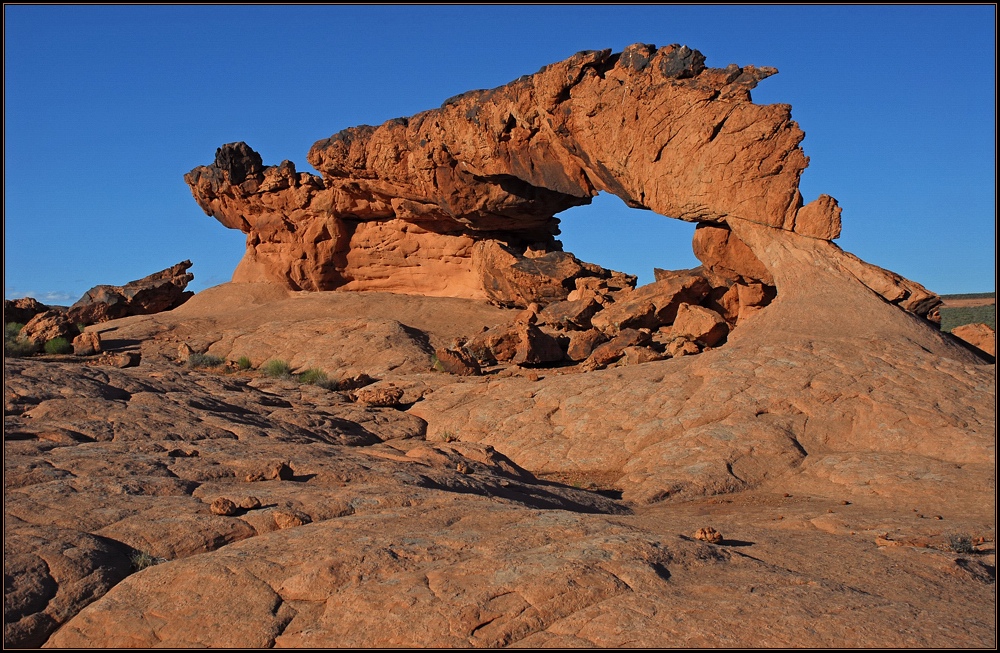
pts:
pixel 314 376
pixel 58 346
pixel 11 330
pixel 204 360
pixel 955 317
pixel 244 363
pixel 18 348
pixel 277 368
pixel 14 346
pixel 143 560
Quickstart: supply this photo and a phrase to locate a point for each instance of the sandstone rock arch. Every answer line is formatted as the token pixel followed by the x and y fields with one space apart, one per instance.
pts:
pixel 437 203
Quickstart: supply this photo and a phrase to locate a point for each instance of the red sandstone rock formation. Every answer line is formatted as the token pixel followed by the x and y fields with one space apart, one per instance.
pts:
pixel 979 335
pixel 87 343
pixel 160 291
pixel 47 326
pixel 22 310
pixel 700 324
pixel 459 201
pixel 653 126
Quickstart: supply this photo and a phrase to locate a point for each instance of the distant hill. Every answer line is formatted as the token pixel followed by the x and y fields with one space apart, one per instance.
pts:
pixel 971 295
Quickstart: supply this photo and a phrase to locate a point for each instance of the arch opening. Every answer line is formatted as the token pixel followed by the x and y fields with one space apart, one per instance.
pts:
pixel 685 286
pixel 615 236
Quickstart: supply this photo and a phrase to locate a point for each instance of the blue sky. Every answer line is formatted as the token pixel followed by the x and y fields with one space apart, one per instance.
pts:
pixel 106 108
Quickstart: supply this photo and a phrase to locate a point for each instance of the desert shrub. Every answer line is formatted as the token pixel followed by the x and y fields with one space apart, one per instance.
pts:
pixel 15 346
pixel 18 348
pixel 11 330
pixel 955 317
pixel 58 346
pixel 960 543
pixel 448 436
pixel 141 560
pixel 204 360
pixel 244 363
pixel 277 368
pixel 313 376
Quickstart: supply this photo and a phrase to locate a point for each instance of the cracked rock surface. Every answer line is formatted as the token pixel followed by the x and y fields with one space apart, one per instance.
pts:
pixel 523 507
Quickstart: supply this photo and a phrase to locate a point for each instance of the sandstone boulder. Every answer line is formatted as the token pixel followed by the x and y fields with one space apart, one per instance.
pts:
pixel 570 315
pixel 651 306
pixel 819 219
pixel 224 506
pixel 512 279
pixel 87 343
pixel 22 310
pixel 160 291
pixel 521 343
pixel 637 355
pixel 272 470
pixel 725 255
pixel 610 351
pixel 249 503
pixel 354 380
pixel 529 315
pixel 456 361
pixel 978 335
pixel 708 534
pixel 752 298
pixel 535 347
pixel 603 291
pixel 725 301
pixel 700 324
pixel 680 346
pixel 496 344
pixel 582 343
pixel 384 395
pixel 49 325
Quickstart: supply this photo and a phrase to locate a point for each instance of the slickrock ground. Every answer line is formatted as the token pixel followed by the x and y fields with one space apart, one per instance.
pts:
pixel 365 527
pixel 776 449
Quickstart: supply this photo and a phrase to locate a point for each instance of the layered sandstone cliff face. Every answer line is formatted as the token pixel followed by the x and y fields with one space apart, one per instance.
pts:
pixel 401 207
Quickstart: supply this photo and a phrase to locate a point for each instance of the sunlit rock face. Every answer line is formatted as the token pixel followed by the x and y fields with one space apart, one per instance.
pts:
pixel 402 207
